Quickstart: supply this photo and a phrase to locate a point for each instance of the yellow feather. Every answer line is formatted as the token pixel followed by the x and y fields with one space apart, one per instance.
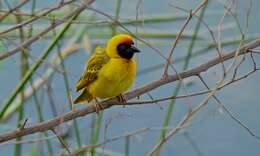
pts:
pixel 107 72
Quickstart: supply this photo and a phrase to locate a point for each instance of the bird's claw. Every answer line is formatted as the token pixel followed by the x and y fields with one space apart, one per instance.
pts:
pixel 98 106
pixel 121 99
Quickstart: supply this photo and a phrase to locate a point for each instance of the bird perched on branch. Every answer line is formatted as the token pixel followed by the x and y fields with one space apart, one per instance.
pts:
pixel 109 71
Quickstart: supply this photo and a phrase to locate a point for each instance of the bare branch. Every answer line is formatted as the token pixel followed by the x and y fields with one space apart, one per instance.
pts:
pixel 13 9
pixel 43 32
pixel 50 124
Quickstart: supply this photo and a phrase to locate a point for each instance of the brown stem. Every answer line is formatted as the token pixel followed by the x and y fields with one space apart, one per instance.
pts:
pixel 50 124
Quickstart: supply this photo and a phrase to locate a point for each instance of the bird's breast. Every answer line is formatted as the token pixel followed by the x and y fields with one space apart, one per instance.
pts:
pixel 114 78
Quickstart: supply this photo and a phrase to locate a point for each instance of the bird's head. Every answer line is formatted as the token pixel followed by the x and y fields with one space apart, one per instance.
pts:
pixel 121 46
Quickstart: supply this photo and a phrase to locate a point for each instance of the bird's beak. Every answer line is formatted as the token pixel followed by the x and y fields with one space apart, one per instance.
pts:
pixel 134 49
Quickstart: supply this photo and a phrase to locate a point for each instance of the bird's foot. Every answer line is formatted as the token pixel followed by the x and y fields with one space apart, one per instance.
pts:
pixel 121 99
pixel 98 106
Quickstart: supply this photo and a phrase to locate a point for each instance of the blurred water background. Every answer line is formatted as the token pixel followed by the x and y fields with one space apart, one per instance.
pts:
pixel 210 132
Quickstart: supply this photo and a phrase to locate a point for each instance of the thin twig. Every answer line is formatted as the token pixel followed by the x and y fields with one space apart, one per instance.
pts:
pixel 63 143
pixel 23 2
pixel 169 58
pixel 49 124
pixel 43 32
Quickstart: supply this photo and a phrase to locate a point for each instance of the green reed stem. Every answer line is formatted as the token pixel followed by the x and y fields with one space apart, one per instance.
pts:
pixel 114 25
pixel 23 69
pixel 38 105
pixel 127 145
pixel 97 34
pixel 36 65
pixel 206 49
pixel 67 87
pixel 48 73
pixel 125 20
pixel 95 137
pixel 171 105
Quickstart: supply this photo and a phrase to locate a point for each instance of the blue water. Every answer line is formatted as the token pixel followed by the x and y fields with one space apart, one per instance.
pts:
pixel 214 133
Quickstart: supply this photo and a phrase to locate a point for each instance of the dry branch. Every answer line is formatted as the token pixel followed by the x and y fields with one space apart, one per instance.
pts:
pixel 43 32
pixel 13 9
pixel 50 124
pixel 36 17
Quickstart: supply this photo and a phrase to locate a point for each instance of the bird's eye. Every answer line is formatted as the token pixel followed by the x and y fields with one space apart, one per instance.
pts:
pixel 132 43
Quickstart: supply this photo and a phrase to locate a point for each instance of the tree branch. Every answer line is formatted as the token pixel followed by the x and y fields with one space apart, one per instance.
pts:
pixel 50 124
pixel 43 32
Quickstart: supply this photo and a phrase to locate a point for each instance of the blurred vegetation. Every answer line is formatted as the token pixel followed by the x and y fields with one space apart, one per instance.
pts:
pixel 71 33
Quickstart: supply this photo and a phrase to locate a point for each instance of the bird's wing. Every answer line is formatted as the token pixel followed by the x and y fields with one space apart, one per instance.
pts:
pixel 93 66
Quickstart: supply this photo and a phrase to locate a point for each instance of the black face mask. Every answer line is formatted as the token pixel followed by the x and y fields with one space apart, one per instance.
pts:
pixel 127 51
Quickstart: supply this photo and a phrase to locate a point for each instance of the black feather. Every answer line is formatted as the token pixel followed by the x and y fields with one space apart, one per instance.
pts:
pixel 126 51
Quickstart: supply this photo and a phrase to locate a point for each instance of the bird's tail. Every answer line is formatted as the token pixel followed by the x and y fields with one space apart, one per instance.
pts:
pixel 85 96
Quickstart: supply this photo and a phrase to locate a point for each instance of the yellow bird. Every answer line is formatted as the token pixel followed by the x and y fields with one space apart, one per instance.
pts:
pixel 109 71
